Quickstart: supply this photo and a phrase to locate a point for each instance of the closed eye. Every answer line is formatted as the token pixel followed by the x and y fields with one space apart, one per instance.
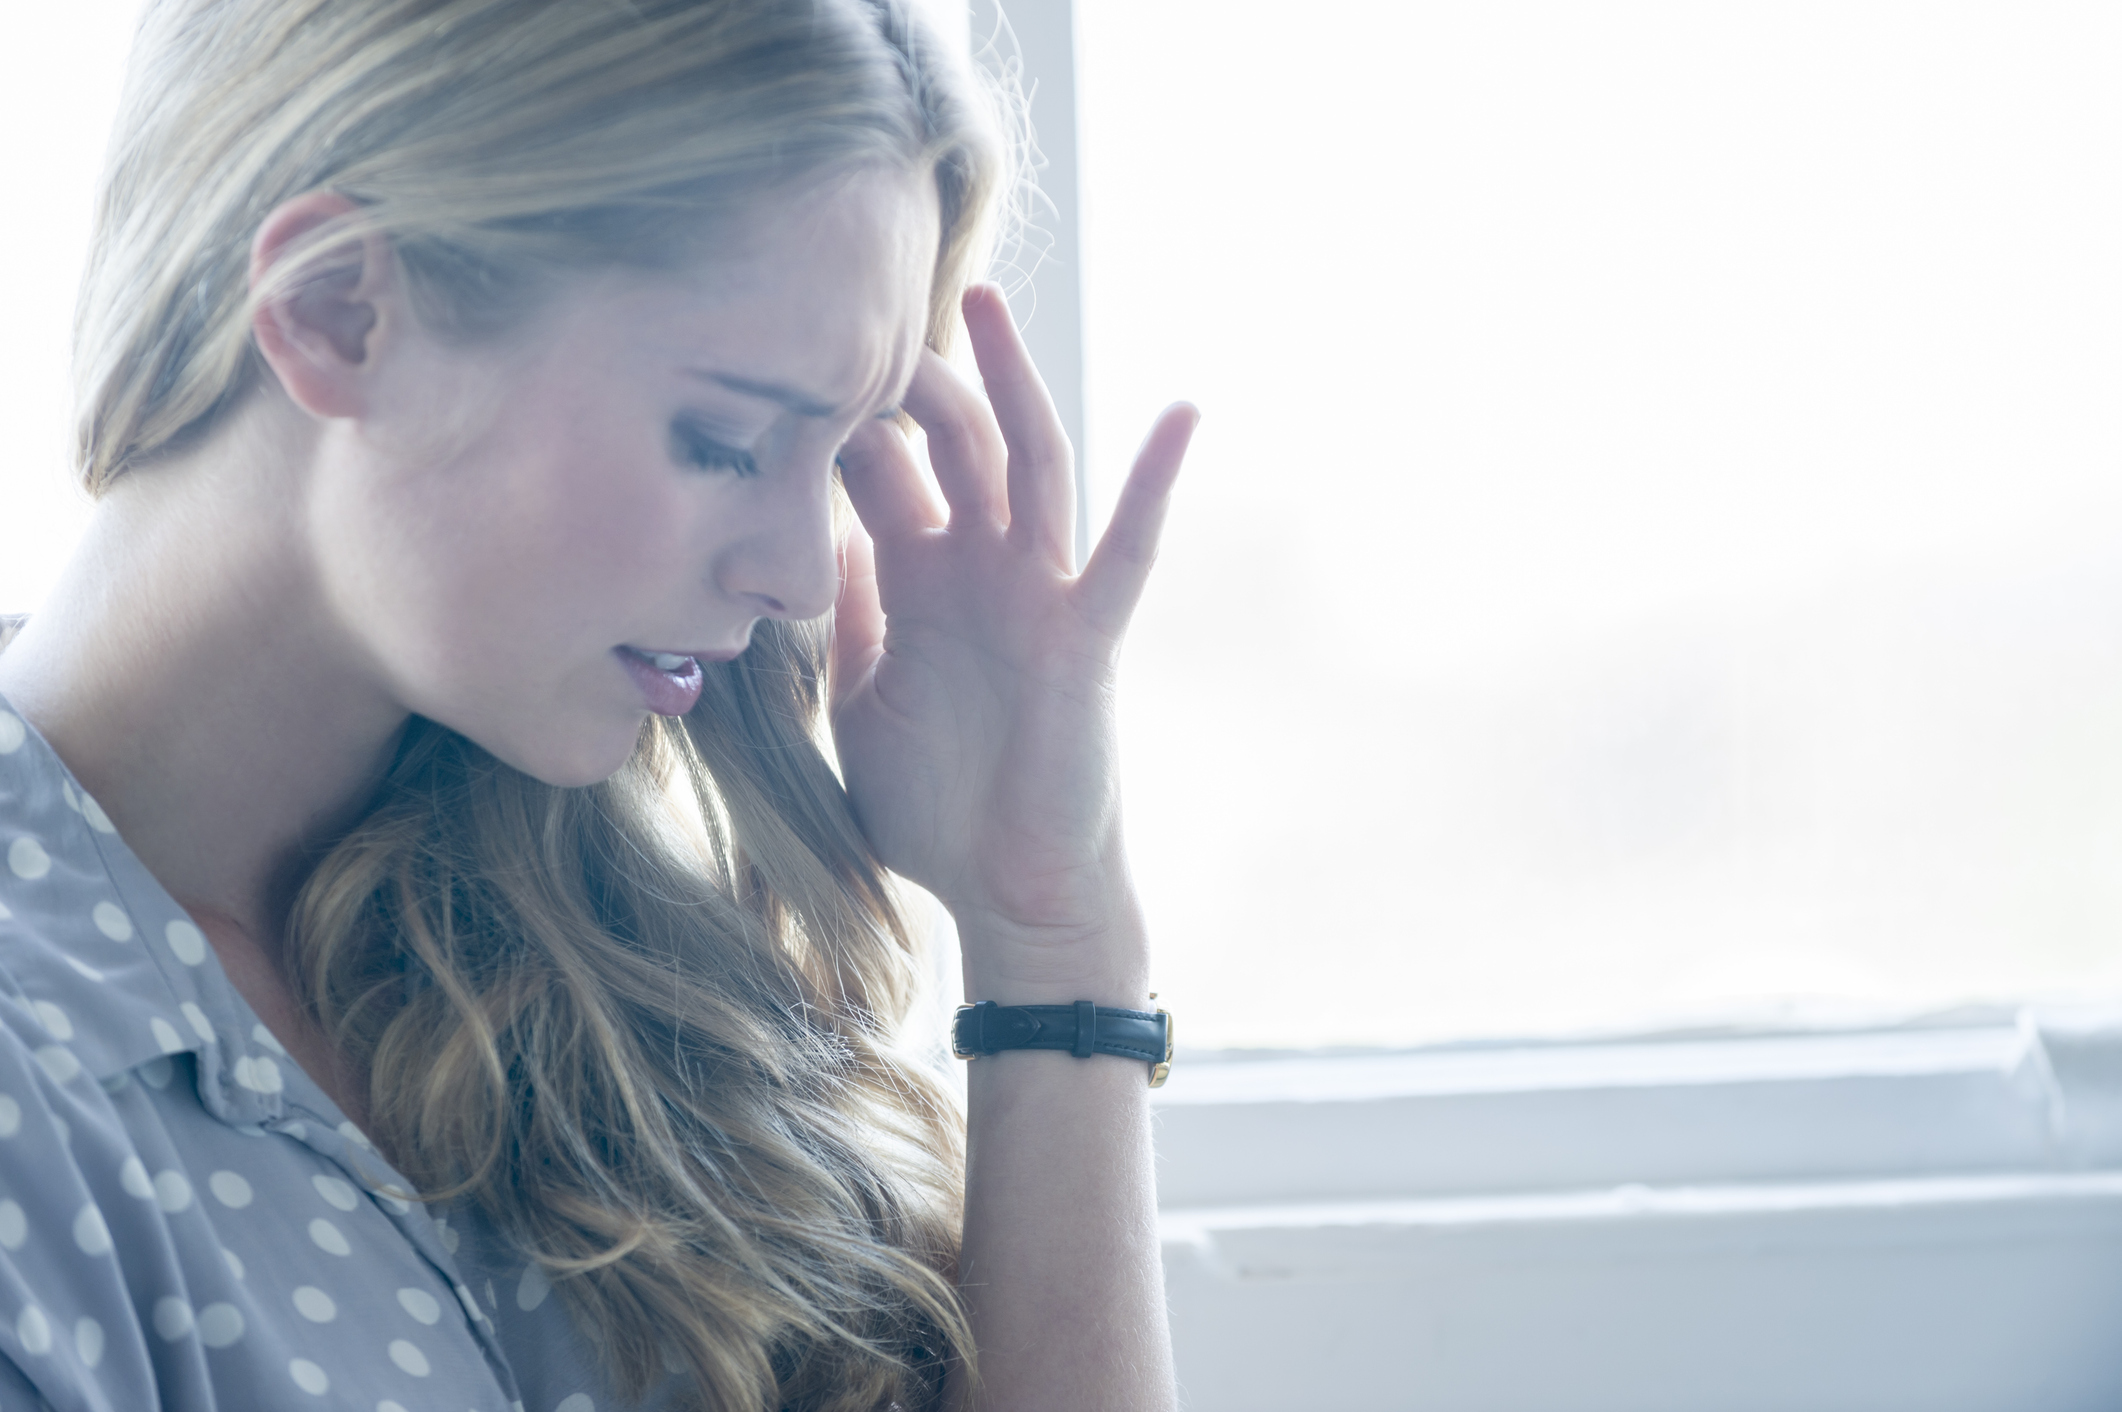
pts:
pixel 693 445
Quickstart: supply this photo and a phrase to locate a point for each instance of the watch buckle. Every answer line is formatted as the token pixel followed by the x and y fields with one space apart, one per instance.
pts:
pixel 1158 1073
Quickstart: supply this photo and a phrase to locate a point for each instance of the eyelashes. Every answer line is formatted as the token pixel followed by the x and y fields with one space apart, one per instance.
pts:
pixel 696 445
pixel 692 444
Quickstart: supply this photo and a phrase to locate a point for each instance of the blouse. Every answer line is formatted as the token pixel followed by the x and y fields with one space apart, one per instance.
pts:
pixel 187 1221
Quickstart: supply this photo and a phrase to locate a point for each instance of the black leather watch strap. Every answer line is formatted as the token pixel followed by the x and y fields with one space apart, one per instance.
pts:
pixel 1083 1029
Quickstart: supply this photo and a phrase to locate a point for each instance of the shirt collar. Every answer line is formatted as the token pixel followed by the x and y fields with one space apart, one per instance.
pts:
pixel 112 969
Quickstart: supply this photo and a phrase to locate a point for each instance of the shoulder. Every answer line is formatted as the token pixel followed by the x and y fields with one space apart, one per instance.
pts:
pixel 87 938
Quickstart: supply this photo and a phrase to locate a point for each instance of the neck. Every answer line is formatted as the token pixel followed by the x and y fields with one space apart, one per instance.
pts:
pixel 188 670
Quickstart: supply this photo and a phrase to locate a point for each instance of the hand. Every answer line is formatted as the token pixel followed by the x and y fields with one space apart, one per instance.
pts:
pixel 972 669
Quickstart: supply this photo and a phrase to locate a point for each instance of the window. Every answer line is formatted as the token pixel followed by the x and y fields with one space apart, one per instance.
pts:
pixel 1650 566
pixel 59 77
pixel 1653 553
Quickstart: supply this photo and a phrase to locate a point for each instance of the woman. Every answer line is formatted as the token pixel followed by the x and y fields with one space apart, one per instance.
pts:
pixel 442 968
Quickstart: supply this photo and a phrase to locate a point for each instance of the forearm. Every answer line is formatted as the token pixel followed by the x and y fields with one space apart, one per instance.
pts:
pixel 1060 1267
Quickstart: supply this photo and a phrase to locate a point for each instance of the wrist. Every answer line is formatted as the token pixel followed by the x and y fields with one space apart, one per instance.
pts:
pixel 1106 963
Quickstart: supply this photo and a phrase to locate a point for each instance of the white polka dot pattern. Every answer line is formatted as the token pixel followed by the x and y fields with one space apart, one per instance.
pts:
pixel 532 1288
pixel 173 1191
pixel 309 1377
pixel 88 1342
pixel 220 1325
pixel 315 1305
pixel 173 1317
pixel 110 919
pixel 27 860
pixel 91 1234
pixel 258 1074
pixel 420 1304
pixel 186 942
pixel 97 819
pixel 329 1238
pixel 53 1019
pixel 60 1062
pixel 157 1142
pixel 33 1331
pixel 339 1193
pixel 230 1189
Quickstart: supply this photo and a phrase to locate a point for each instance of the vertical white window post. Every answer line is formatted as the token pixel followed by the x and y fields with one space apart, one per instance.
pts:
pixel 1032 45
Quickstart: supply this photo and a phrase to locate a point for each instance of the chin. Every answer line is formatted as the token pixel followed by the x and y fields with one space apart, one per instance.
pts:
pixel 589 755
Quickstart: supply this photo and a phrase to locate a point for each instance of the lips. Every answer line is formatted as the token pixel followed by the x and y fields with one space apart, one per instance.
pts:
pixel 669 682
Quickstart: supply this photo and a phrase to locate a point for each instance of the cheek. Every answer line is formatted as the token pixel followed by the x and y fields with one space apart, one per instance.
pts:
pixel 558 523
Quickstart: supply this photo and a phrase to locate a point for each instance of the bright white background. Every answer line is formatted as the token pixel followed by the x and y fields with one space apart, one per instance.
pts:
pixel 1654 553
pixel 59 77
pixel 1654 549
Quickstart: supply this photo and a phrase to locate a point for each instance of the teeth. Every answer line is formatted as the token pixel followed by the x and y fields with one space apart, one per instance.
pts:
pixel 668 661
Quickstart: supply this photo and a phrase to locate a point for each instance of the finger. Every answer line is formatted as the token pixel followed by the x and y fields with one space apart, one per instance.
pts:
pixel 858 616
pixel 965 447
pixel 885 485
pixel 1042 475
pixel 1111 584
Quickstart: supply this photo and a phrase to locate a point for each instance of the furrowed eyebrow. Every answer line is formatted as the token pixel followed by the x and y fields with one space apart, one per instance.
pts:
pixel 797 401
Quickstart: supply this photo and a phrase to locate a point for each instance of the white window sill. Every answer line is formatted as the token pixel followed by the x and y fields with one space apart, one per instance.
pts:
pixel 1923 1218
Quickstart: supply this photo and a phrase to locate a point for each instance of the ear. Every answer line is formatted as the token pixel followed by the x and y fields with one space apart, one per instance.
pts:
pixel 320 335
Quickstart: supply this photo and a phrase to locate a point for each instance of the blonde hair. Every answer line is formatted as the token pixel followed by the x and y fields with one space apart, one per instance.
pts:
pixel 650 1026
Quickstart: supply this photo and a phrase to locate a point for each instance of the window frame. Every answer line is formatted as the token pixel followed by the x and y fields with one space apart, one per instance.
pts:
pixel 1926 1216
pixel 1891 1180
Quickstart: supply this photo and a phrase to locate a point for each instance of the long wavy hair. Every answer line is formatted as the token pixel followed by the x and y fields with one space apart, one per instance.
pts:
pixel 649 1027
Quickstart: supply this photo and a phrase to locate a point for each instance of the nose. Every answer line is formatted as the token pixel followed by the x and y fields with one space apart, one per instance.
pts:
pixel 787 564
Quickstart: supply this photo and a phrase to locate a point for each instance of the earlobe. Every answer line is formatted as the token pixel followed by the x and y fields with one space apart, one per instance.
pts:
pixel 319 332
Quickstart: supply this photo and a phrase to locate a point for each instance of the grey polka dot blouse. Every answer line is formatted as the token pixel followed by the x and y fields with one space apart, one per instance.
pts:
pixel 187 1222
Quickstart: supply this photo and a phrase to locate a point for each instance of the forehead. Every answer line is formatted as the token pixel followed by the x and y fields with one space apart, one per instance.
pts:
pixel 827 291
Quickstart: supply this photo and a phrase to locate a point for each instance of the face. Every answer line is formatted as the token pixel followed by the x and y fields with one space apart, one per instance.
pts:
pixel 536 543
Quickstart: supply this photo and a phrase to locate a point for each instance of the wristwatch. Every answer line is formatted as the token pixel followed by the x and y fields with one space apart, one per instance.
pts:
pixel 1083 1029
